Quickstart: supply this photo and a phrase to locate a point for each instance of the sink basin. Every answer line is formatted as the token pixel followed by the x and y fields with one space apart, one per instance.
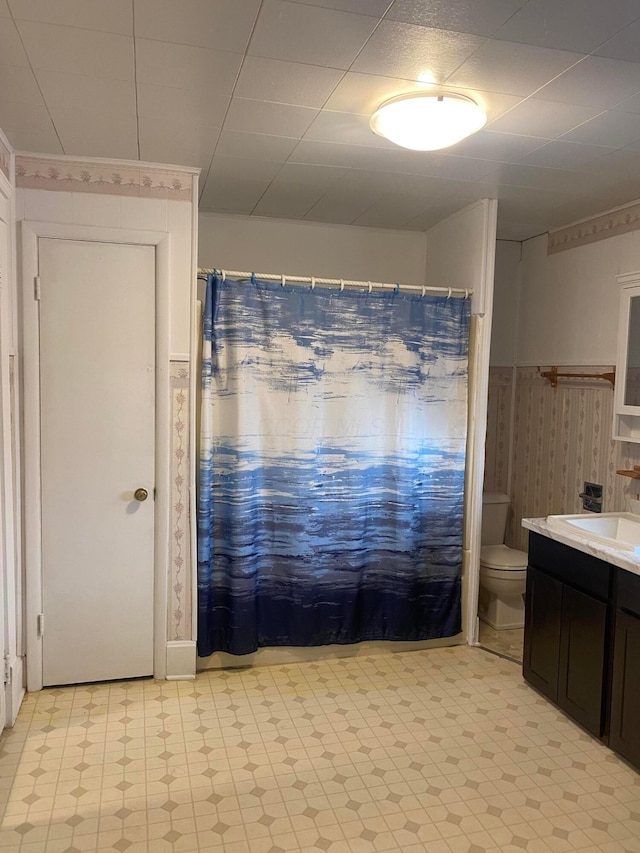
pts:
pixel 618 529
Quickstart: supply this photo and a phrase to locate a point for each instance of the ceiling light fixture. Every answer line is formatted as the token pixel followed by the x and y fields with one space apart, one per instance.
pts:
pixel 427 121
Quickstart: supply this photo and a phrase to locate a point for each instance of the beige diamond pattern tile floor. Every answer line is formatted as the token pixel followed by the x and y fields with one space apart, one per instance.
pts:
pixel 444 751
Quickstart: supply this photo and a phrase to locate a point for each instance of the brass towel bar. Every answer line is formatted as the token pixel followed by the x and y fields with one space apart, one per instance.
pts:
pixel 553 375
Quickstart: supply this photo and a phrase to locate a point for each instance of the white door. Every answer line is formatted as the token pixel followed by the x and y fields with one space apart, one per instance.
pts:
pixel 97 391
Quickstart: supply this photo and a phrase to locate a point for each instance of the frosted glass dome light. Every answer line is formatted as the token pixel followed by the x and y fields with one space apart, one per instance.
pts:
pixel 427 121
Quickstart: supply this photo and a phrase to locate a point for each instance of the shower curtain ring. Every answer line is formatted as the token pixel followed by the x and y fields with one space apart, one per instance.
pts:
pixel 313 282
pixel 341 285
pixel 449 294
pixel 369 287
pixel 283 280
pixel 224 275
pixel 424 288
pixel 466 293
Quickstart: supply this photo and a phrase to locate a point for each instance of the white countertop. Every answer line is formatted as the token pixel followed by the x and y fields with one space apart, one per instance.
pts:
pixel 616 556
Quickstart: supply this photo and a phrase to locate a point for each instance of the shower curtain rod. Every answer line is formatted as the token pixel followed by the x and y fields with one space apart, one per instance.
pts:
pixel 338 282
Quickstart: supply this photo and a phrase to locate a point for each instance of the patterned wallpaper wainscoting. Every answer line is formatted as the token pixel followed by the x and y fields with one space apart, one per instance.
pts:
pixel 562 437
pixel 180 616
pixel 496 467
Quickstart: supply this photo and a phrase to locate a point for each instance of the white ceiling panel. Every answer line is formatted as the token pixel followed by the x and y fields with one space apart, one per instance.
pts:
pixel 18 83
pixel 515 69
pixel 491 145
pixel 463 16
pixel 268 118
pixel 76 51
pixel 595 82
pixel 296 32
pixel 163 140
pixel 255 146
pixel 205 23
pixel 182 67
pixel 535 117
pixel 612 129
pixel 535 177
pixel 565 155
pixel 235 184
pixel 116 16
pixel 359 7
pixel 4 9
pixel 183 105
pixel 98 134
pixel 310 152
pixel 11 50
pixel 286 82
pixel 296 189
pixel 87 94
pixel 342 204
pixel 579 25
pixel 624 45
pixel 29 129
pixel 393 212
pixel 415 53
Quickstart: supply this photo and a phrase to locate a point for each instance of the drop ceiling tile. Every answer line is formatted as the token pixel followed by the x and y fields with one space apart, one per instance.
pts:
pixel 491 145
pixel 286 82
pixel 535 177
pixel 620 163
pixel 359 7
pixel 346 128
pixel 536 117
pixel 17 83
pixel 11 50
pixel 255 146
pixel 433 214
pixel 112 133
pixel 578 25
pixel 595 82
pixel 90 94
pixel 341 204
pixel 164 140
pixel 415 53
pixel 612 129
pixel 391 212
pixel 564 155
pixel 235 184
pixel 191 106
pixel 113 17
pixel 457 168
pixel 623 45
pixel 205 23
pixel 29 127
pixel 184 67
pixel 296 189
pixel 515 69
pixel 310 152
pixel 75 51
pixel 462 16
pixel 265 117
pixel 296 32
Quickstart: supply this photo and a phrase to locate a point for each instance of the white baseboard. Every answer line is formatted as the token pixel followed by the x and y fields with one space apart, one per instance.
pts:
pixel 15 690
pixel 181 660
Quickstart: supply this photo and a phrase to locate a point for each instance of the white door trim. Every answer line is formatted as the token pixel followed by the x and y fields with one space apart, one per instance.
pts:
pixel 31 232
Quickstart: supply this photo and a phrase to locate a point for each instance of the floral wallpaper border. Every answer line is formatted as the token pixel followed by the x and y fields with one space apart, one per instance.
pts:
pixel 5 160
pixel 598 228
pixel 43 173
pixel 180 615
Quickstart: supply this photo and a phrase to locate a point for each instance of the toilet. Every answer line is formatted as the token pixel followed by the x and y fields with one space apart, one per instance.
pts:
pixel 503 571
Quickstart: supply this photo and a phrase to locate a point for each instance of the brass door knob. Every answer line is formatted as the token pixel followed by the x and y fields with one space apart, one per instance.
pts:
pixel 141 494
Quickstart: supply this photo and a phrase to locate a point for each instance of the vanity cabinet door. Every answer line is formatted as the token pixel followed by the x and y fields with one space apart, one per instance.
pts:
pixel 624 735
pixel 582 658
pixel 543 607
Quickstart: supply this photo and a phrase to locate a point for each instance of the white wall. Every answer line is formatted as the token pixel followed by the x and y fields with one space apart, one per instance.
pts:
pixel 310 248
pixel 506 286
pixel 569 301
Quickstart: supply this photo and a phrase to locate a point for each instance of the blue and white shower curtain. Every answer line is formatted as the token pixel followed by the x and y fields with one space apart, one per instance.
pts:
pixel 331 466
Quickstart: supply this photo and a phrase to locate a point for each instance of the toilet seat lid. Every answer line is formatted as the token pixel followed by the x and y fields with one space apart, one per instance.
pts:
pixel 501 557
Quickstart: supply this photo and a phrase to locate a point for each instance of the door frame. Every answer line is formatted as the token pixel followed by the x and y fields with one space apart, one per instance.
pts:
pixel 31 232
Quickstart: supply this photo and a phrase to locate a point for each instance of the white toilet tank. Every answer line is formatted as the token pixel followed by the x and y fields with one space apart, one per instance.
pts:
pixel 495 507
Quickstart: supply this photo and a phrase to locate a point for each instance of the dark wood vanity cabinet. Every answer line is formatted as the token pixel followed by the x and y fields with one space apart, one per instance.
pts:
pixel 624 735
pixel 566 636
